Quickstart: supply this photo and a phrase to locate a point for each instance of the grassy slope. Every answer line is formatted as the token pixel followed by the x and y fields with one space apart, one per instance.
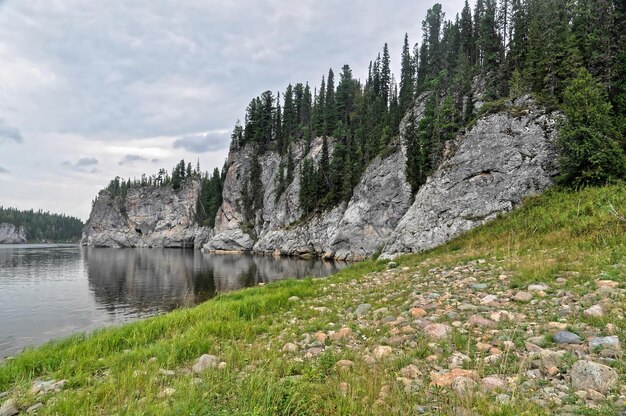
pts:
pixel 110 371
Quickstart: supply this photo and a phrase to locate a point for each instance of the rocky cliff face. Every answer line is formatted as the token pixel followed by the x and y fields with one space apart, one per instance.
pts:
pixel 488 169
pixel 147 217
pixel 10 234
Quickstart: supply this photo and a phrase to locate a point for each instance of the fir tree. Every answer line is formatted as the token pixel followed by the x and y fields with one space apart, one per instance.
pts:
pixel 588 141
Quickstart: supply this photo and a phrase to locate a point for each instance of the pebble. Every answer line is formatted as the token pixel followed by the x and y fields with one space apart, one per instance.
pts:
pixel 382 351
pixel 591 375
pixel 437 331
pixel 362 309
pixel 594 311
pixel 604 342
pixel 479 286
pixel 488 299
pixel 8 408
pixel 537 288
pixel 410 371
pixel 566 337
pixel 166 392
pixel 343 333
pixel 293 299
pixel 490 383
pixel 205 362
pixel 34 408
pixel 418 312
pixel 446 379
pixel 290 347
pixel 523 297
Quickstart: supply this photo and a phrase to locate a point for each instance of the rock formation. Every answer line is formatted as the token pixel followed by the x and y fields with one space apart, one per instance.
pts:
pixel 495 164
pixel 488 169
pixel 147 217
pixel 10 234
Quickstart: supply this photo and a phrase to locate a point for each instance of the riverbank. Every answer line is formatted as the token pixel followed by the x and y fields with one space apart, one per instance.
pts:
pixel 522 316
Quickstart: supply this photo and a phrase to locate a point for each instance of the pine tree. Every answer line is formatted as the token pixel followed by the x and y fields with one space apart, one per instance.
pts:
pixel 330 113
pixel 385 77
pixel 590 153
pixel 407 80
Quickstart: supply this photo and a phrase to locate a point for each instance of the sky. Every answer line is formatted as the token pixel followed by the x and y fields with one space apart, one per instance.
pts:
pixel 90 90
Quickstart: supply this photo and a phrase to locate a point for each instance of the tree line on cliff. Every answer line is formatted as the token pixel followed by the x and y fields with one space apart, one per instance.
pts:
pixel 568 54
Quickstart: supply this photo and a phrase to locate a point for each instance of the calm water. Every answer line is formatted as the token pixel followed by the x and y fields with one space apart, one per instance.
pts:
pixel 51 291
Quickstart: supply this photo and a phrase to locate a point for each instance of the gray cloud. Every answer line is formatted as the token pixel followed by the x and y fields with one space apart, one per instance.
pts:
pixel 83 164
pixel 9 133
pixel 130 159
pixel 3 170
pixel 203 142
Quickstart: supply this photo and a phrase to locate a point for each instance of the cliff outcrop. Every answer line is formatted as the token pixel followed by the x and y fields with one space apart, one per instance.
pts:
pixel 146 217
pixel 489 168
pixel 10 234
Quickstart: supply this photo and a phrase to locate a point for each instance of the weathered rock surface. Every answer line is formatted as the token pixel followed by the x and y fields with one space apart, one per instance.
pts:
pixel 486 170
pixel 591 375
pixel 10 234
pixel 350 231
pixel 147 217
pixel 502 159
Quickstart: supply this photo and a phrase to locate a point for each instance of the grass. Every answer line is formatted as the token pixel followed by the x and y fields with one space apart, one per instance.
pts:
pixel 116 370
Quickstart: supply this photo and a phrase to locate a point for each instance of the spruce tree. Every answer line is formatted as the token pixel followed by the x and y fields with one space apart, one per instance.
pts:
pixel 590 153
pixel 330 113
pixel 407 80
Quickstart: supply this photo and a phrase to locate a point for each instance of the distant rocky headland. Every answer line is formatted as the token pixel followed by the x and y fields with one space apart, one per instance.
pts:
pixel 10 234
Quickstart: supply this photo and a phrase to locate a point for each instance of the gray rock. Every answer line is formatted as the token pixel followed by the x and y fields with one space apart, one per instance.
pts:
pixel 8 408
pixel 487 171
pixel 591 375
pixel 605 342
pixel 34 408
pixel 594 311
pixel 148 217
pixel 10 234
pixel 566 337
pixel 523 297
pixel 479 286
pixel 362 309
pixel 205 362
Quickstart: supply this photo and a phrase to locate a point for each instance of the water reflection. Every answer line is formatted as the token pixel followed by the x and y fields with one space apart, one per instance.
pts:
pixel 53 291
pixel 149 280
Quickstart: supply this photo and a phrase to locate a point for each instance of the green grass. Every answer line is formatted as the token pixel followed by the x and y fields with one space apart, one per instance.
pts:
pixel 116 370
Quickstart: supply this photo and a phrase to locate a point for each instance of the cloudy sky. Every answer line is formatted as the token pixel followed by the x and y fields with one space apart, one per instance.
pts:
pixel 94 89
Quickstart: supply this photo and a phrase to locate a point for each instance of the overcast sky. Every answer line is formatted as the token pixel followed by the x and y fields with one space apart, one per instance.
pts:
pixel 94 89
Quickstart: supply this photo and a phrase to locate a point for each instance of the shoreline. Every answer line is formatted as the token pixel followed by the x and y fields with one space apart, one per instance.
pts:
pixel 478 324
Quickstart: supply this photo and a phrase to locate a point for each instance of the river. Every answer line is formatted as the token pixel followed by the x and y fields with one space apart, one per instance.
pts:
pixel 52 291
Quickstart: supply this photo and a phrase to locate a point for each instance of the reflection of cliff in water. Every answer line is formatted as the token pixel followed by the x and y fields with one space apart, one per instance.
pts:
pixel 146 281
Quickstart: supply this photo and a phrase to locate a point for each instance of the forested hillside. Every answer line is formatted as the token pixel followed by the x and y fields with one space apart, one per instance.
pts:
pixel 567 54
pixel 43 226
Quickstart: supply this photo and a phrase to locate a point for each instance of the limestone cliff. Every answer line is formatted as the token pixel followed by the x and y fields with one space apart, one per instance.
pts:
pixel 10 234
pixel 146 217
pixel 488 169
